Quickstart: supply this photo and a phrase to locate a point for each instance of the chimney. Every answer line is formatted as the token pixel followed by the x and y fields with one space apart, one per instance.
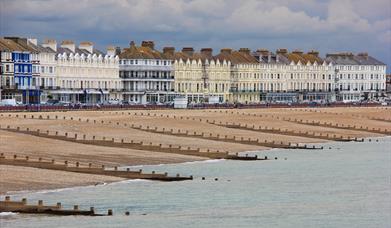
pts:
pixel 169 51
pixel 188 51
pixel 89 46
pixel 132 43
pixel 298 52
pixel 244 51
pixel 282 51
pixel 363 54
pixel 148 43
pixel 269 57
pixel 110 50
pixel 33 41
pixel 207 52
pixel 314 53
pixel 52 44
pixel 263 52
pixel 117 50
pixel 68 44
pixel 227 51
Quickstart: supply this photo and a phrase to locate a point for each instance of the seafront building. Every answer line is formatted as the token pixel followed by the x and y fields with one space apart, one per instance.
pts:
pixel 44 69
pixel 358 76
pixel 146 74
pixel 199 76
pixel 244 75
pixel 33 73
pixel 16 71
pixel 84 74
pixel 295 76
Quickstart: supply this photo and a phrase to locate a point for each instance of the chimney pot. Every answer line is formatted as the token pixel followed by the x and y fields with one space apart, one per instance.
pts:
pixel 49 43
pixel 226 51
pixel 148 43
pixel 244 51
pixel 169 51
pixel 208 52
pixel 188 51
pixel 68 44
pixel 86 45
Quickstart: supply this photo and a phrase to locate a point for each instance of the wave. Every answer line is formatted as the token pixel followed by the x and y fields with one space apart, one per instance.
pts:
pixel 173 164
pixel 130 181
pixel 205 161
pixel 7 214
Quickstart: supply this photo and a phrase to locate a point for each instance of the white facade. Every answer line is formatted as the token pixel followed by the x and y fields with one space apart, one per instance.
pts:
pixel 82 76
pixel 146 75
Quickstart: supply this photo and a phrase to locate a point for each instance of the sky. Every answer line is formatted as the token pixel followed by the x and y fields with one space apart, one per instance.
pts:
pixel 325 25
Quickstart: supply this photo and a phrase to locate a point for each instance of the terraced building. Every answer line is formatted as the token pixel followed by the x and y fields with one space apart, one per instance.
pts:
pixel 146 74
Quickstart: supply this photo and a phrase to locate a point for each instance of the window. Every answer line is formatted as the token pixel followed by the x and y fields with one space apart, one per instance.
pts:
pixel 7 68
pixel 42 69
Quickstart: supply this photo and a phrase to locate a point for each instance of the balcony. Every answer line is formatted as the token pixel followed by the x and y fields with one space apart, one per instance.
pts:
pixel 10 87
pixel 27 87
pixel 170 79
pixel 244 91
pixel 145 68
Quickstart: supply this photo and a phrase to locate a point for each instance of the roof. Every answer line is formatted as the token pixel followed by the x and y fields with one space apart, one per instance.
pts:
pixel 351 59
pixel 11 45
pixel 191 55
pixel 61 50
pixel 236 57
pixel 141 52
pixel 39 48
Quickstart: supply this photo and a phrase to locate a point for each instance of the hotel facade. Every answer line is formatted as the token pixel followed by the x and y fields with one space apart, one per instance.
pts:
pixel 146 74
pixel 34 73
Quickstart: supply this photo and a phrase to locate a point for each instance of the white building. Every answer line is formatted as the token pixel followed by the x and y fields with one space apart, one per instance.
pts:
pixel 84 74
pixel 44 69
pixel 359 77
pixel 147 74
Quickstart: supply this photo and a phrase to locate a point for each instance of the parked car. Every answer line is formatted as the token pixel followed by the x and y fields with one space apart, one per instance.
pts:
pixel 52 102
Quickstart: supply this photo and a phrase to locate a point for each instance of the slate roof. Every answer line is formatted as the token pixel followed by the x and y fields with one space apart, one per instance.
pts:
pixel 350 59
pixel 11 45
pixel 61 50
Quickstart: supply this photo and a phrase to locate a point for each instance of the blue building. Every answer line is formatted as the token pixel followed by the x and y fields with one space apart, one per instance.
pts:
pixel 23 70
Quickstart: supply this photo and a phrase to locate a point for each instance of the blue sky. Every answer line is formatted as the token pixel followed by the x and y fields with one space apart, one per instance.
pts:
pixel 324 25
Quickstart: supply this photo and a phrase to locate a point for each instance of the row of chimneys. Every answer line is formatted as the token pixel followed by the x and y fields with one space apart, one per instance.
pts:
pixel 86 45
pixel 209 51
pixel 89 46
pixel 111 50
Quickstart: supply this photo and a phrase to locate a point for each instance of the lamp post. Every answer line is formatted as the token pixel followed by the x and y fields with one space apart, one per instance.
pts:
pixel 336 79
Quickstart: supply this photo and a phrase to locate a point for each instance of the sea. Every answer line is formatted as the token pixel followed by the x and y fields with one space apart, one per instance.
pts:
pixel 347 184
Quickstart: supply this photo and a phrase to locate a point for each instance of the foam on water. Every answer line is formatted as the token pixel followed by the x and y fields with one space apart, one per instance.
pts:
pixel 7 214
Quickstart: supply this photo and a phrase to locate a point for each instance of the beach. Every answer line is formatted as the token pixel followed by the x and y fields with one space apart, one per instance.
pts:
pixel 205 130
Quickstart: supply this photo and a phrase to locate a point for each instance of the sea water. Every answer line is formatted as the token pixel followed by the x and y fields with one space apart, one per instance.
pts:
pixel 348 185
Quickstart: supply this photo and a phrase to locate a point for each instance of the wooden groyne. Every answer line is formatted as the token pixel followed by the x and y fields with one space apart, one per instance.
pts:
pixel 339 126
pixel 315 123
pixel 218 137
pixel 88 169
pixel 22 207
pixel 272 130
pixel 186 133
pixel 122 143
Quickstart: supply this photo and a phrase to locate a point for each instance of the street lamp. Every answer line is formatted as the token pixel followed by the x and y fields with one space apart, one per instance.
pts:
pixel 336 79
